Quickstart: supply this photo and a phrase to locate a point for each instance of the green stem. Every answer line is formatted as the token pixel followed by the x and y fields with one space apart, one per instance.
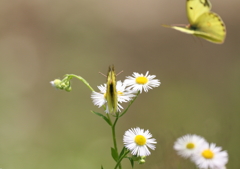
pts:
pixel 70 76
pixel 119 161
pixel 114 138
pixel 109 119
pixel 114 135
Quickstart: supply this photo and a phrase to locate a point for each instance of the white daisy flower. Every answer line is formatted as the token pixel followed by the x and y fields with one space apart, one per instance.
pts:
pixel 141 82
pixel 137 141
pixel 124 95
pixel 187 145
pixel 210 157
pixel 98 99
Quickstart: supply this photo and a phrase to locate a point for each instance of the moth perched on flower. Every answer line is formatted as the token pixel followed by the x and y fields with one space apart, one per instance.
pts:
pixel 112 93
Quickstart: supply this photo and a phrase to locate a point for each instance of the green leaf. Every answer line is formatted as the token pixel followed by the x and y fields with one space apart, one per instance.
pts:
pixel 122 152
pixel 102 167
pixel 131 161
pixel 114 154
pixel 104 117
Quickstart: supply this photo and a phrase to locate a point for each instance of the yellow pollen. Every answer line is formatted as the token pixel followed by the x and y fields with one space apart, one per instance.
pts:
pixel 190 146
pixel 140 140
pixel 141 80
pixel 105 95
pixel 120 93
pixel 208 154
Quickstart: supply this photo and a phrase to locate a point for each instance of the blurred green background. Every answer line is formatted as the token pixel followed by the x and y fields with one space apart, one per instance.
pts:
pixel 40 40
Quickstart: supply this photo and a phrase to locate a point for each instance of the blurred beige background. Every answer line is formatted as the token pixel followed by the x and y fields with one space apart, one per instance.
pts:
pixel 40 40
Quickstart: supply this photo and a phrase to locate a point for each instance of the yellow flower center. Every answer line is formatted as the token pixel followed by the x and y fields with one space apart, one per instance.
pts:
pixel 141 80
pixel 105 95
pixel 120 93
pixel 190 146
pixel 140 140
pixel 208 154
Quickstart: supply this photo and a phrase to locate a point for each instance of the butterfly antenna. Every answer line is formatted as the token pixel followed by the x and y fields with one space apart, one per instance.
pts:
pixel 194 39
pixel 119 73
pixel 182 25
pixel 169 26
pixel 198 40
pixel 201 42
pixel 102 74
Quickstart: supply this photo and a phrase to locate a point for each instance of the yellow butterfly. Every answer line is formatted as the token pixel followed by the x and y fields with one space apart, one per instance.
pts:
pixel 203 23
pixel 111 93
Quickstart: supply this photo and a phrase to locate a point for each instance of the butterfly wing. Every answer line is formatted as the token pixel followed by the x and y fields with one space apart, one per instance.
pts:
pixel 210 27
pixel 203 23
pixel 181 29
pixel 195 8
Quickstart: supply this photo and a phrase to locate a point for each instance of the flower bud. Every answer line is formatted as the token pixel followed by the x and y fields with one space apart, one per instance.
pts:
pixel 142 160
pixel 56 83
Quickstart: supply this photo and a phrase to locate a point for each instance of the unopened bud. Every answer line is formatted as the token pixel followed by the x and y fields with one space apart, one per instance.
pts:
pixel 142 160
pixel 56 83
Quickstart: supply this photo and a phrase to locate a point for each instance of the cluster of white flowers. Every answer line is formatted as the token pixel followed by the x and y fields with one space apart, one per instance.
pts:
pixel 126 90
pixel 203 154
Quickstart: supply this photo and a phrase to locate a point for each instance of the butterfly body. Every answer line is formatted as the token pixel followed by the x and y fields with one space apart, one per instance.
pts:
pixel 203 22
pixel 111 93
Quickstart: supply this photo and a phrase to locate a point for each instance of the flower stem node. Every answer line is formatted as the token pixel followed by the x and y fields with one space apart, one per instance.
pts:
pixel 139 159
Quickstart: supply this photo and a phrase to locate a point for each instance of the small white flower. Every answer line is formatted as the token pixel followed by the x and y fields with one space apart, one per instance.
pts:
pixel 124 95
pixel 98 99
pixel 210 157
pixel 137 141
pixel 141 82
pixel 187 145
